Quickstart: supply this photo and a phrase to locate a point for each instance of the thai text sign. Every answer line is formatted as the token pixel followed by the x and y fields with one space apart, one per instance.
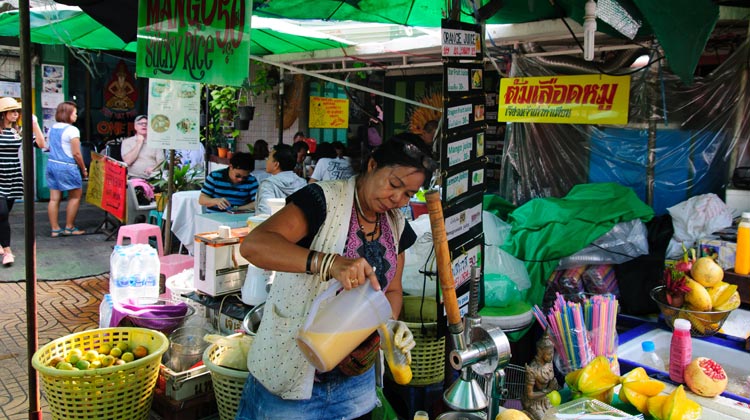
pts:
pixel 589 99
pixel 107 185
pixel 328 112
pixel 206 41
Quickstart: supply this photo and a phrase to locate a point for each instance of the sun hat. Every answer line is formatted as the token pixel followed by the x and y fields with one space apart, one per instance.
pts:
pixel 8 104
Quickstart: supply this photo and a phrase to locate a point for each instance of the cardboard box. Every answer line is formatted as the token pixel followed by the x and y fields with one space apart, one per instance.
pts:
pixel 723 250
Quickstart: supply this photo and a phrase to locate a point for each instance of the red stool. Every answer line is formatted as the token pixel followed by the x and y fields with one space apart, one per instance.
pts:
pixel 141 233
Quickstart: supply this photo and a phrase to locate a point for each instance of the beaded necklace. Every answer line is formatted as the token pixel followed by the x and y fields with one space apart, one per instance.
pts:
pixel 361 214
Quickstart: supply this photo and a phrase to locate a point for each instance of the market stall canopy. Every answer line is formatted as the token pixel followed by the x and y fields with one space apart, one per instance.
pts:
pixel 682 27
pixel 71 26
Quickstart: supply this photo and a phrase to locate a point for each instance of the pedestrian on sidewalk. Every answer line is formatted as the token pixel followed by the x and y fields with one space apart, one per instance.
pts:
pixel 65 170
pixel 11 177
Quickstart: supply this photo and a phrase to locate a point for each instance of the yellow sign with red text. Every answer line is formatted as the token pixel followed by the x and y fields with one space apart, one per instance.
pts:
pixel 328 112
pixel 589 99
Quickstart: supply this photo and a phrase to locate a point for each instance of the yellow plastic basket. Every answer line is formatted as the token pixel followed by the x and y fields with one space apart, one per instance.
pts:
pixel 228 383
pixel 428 355
pixel 121 392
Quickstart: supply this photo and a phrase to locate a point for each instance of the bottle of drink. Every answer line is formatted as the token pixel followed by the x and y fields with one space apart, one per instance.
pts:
pixel 421 415
pixel 680 350
pixel 118 274
pixel 650 358
pixel 105 311
pixel 149 289
pixel 742 256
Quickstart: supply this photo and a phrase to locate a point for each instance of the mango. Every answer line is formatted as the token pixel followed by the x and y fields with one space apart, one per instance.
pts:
pixel 697 298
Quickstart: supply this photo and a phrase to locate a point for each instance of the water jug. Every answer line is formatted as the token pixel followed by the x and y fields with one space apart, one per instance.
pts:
pixel 337 324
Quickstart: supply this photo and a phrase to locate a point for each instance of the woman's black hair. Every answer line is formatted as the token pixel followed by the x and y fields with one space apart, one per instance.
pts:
pixel 405 149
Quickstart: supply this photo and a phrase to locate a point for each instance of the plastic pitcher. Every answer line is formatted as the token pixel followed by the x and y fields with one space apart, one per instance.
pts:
pixel 336 328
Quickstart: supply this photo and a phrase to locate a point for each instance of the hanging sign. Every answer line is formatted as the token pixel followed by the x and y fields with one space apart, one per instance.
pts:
pixel 467 256
pixel 107 185
pixel 206 42
pixel 587 99
pixel 173 112
pixel 463 221
pixel 328 112
pixel 461 40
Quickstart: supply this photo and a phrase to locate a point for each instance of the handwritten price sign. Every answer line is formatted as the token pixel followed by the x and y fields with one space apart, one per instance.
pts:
pixel 329 112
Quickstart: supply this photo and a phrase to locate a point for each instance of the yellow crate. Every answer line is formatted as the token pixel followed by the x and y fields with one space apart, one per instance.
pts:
pixel 121 392
pixel 228 383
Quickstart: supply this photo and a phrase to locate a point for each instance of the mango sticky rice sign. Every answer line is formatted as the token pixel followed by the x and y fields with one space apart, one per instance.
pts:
pixel 328 112
pixel 589 99
pixel 206 41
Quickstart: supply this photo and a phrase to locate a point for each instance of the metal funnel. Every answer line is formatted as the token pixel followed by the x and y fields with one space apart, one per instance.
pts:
pixel 465 395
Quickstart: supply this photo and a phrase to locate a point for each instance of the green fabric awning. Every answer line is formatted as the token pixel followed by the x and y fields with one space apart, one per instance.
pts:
pixel 68 26
pixel 682 27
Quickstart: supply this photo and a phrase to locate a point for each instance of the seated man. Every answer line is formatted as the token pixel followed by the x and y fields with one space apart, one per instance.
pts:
pixel 141 159
pixel 231 188
pixel 282 182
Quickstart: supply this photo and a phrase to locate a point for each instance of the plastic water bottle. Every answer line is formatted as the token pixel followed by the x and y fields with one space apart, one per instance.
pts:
pixel 105 311
pixel 150 276
pixel 742 256
pixel 680 350
pixel 118 274
pixel 650 358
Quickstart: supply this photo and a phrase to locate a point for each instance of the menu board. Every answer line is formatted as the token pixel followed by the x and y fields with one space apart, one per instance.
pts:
pixel 173 114
pixel 107 185
pixel 462 152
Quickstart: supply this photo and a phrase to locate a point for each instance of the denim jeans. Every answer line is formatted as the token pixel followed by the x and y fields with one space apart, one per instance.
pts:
pixel 337 397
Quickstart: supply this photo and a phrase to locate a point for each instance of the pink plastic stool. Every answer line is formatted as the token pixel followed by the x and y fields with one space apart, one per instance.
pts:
pixel 140 233
pixel 174 264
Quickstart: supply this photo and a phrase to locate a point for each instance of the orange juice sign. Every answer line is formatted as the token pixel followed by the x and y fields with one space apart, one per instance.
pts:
pixel 328 112
pixel 590 99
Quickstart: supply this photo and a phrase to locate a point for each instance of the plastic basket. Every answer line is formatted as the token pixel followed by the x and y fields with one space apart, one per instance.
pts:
pixel 116 392
pixel 702 324
pixel 428 355
pixel 228 383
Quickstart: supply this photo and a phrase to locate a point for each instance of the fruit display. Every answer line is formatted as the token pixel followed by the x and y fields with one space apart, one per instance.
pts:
pixel 705 377
pixel 512 414
pixel 696 291
pixel 675 406
pixel 108 354
pixel 595 380
pixel 637 388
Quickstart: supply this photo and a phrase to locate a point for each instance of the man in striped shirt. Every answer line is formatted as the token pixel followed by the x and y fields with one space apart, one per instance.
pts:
pixel 232 188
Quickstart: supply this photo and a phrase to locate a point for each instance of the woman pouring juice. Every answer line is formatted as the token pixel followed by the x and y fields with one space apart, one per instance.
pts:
pixel 346 231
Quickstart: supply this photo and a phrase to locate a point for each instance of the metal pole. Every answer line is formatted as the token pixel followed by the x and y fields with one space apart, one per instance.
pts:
pixel 281 106
pixel 28 208
pixel 168 213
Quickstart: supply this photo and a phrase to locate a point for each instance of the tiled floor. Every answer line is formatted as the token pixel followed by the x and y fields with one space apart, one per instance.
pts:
pixel 63 307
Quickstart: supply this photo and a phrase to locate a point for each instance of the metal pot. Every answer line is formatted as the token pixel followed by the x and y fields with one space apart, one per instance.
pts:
pixel 252 320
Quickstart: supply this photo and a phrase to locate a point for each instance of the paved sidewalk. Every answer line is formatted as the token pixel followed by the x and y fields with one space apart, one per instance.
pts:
pixel 63 307
pixel 59 258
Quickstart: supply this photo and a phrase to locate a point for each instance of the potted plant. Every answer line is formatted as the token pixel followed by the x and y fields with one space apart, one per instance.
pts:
pixel 223 105
pixel 184 178
pixel 245 109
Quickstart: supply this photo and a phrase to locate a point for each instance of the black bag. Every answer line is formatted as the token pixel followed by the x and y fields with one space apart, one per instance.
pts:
pixel 638 276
